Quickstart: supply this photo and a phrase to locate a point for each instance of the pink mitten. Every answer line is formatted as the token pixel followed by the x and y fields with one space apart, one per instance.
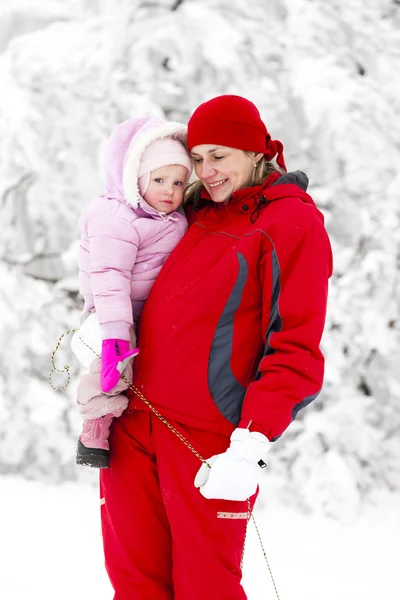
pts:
pixel 115 355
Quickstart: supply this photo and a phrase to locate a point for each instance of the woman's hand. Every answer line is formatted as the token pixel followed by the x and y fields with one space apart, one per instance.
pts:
pixel 234 475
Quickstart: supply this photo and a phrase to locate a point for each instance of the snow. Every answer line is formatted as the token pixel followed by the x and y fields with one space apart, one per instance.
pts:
pixel 51 548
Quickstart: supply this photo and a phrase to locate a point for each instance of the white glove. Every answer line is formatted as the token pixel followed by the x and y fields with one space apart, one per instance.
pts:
pixel 234 475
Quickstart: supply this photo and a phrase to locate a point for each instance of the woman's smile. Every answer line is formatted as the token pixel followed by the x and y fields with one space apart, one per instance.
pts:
pixel 219 183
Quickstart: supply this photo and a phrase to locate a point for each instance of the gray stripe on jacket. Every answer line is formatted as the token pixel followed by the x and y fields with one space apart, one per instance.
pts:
pixel 275 321
pixel 225 390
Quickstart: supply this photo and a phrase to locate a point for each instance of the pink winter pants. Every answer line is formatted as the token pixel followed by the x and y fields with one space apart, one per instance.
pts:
pixel 93 402
pixel 162 539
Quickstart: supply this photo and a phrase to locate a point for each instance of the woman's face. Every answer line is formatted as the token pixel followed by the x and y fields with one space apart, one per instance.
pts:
pixel 222 170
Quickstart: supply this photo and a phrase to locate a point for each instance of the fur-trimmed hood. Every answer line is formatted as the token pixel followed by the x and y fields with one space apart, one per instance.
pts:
pixel 124 150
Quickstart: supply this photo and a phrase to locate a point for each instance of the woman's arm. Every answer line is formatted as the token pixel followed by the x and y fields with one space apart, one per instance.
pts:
pixel 291 371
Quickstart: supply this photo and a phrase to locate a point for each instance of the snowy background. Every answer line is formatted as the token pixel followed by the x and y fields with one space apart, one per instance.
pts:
pixel 325 76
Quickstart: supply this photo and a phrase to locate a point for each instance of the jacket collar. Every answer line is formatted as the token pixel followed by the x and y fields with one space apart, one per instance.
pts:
pixel 144 207
pixel 270 189
pixel 251 200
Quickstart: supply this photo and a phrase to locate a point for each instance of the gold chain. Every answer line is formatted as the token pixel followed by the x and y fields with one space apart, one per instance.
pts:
pixel 171 427
pixel 178 434
pixel 66 368
pixel 265 556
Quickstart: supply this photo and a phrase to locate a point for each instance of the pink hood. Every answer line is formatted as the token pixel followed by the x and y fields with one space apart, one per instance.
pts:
pixel 124 151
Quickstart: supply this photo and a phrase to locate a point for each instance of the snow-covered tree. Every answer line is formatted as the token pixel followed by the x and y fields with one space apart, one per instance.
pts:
pixel 323 76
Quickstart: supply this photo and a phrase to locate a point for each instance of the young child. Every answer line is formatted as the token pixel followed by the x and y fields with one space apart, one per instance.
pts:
pixel 126 236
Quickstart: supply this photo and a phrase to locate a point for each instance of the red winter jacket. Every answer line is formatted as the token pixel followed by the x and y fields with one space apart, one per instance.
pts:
pixel 230 332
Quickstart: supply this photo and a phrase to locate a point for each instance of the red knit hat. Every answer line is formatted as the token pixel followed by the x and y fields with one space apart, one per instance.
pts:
pixel 235 122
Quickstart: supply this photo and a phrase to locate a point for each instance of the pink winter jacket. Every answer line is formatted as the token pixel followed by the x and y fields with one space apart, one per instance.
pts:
pixel 124 241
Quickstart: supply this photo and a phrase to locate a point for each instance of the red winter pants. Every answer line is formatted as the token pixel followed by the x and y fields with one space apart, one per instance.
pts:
pixel 162 539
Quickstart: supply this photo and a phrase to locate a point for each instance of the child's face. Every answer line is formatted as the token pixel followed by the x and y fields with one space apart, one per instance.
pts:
pixel 165 191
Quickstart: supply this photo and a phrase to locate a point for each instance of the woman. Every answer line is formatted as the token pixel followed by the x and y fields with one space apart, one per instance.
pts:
pixel 229 353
